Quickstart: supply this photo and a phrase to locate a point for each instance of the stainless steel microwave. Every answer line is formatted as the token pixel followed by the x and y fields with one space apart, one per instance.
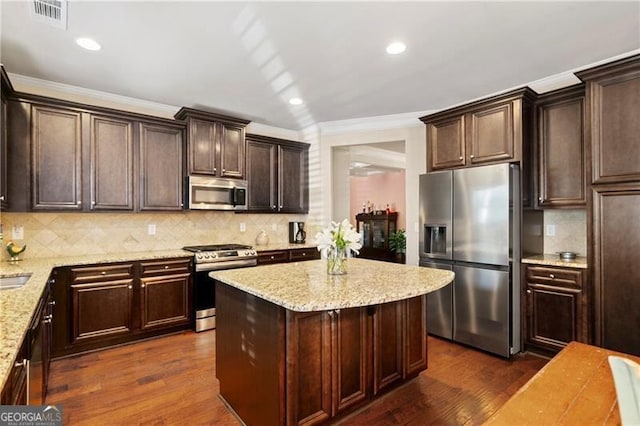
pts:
pixel 207 193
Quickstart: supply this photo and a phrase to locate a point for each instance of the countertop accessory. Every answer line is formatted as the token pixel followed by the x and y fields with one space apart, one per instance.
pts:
pixel 14 251
pixel 262 239
pixel 567 255
pixel 335 242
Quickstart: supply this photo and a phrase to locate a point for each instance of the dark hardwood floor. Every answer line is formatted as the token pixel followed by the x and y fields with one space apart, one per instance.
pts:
pixel 171 381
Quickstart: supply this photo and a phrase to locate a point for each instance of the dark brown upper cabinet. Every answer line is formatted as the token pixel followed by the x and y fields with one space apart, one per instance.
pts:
pixel 76 157
pixel 560 148
pixel 215 143
pixel 111 163
pixel 490 131
pixel 613 114
pixel 161 173
pixel 278 175
pixel 5 90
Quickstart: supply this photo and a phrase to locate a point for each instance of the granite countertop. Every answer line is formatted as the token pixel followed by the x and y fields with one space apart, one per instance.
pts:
pixel 306 286
pixel 554 260
pixel 18 305
pixel 283 246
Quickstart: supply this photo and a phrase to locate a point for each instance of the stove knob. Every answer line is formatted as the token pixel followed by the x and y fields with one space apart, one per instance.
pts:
pixel 206 255
pixel 198 256
pixel 214 255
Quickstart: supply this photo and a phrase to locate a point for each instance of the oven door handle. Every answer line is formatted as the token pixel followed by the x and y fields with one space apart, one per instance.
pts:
pixel 227 264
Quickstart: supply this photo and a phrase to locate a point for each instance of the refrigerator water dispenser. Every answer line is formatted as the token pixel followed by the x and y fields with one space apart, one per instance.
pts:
pixel 435 239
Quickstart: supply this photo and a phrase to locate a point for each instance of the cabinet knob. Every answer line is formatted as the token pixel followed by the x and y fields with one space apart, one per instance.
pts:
pixel 130 287
pixel 52 303
pixel 460 158
pixel 141 285
pixel 471 156
pixel 79 202
pixel 304 254
pixel 103 273
pixel 273 207
pixel 528 291
pixel 1 197
pixel 272 257
pixel 93 203
pixel 281 207
pixel 21 363
pixel 166 266
pixel 540 199
pixel 331 314
pixel 552 276
pixel 215 170
pixel 47 319
pixel 224 170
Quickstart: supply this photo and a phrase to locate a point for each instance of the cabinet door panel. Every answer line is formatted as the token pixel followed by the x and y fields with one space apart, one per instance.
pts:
pixel 309 381
pixel 491 134
pixel 165 301
pixel 293 180
pixel 553 317
pixel 387 346
pixel 202 147
pixel 415 347
pixel 56 159
pixel 350 358
pixel 562 154
pixel 111 164
pixel 161 175
pixel 3 153
pixel 232 146
pixel 261 176
pixel 617 274
pixel 615 128
pixel 446 142
pixel 101 310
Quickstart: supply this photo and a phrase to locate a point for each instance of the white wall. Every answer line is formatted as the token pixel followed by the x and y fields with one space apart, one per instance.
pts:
pixel 416 153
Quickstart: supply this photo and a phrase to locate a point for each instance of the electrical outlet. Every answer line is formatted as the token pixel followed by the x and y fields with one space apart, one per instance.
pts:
pixel 17 232
pixel 151 229
pixel 243 227
pixel 551 230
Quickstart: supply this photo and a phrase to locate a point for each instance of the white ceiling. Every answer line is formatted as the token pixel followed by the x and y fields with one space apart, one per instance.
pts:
pixel 248 58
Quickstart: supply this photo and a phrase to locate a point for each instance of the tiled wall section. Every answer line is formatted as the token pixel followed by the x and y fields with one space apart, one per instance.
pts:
pixel 571 231
pixel 70 234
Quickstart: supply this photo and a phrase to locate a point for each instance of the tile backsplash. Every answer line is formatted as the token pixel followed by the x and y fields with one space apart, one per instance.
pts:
pixel 570 231
pixel 71 234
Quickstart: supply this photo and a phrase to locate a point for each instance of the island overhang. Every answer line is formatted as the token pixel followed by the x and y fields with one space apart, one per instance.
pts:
pixel 306 286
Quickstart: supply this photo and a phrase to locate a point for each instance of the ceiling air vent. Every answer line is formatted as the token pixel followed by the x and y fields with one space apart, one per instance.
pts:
pixel 53 12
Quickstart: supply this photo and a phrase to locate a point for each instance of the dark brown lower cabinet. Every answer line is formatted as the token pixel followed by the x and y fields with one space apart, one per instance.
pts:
pixel 15 388
pixel 101 305
pixel 267 257
pixel 278 366
pixel 616 231
pixel 556 308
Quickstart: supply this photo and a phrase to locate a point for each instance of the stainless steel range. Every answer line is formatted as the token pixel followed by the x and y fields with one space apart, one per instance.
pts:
pixel 209 258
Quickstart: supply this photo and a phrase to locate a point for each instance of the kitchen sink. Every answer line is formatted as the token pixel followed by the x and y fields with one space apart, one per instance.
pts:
pixel 16 281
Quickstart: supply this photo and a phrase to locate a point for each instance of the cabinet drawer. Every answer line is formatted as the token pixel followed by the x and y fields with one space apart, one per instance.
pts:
pixel 95 273
pixel 297 255
pixel 554 276
pixel 165 266
pixel 267 257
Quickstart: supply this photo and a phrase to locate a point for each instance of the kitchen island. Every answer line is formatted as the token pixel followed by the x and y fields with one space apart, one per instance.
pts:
pixel 297 346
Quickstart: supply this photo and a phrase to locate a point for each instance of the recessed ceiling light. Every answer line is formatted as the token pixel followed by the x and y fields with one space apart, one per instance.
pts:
pixel 88 43
pixel 396 47
pixel 295 101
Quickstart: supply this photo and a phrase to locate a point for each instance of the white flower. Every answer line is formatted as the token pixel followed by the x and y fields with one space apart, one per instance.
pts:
pixel 339 235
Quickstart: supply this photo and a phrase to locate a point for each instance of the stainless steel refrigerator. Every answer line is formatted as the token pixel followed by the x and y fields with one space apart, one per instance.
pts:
pixel 470 223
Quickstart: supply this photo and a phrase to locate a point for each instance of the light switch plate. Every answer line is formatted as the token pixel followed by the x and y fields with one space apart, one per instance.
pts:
pixel 551 230
pixel 243 227
pixel 17 232
pixel 151 229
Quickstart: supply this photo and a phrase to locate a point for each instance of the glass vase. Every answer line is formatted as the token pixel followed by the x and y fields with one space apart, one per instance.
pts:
pixel 336 261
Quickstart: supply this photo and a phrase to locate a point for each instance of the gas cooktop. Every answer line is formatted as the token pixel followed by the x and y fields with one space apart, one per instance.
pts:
pixel 215 247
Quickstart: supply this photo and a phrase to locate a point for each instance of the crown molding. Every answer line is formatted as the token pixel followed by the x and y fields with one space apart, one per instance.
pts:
pixel 381 122
pixel 35 83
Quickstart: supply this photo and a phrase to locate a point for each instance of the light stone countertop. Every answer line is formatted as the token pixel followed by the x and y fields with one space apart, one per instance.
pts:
pixel 579 262
pixel 283 246
pixel 306 286
pixel 18 305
